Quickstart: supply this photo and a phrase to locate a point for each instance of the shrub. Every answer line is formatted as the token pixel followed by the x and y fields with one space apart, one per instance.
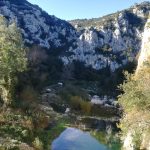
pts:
pixel 75 102
pixel 133 19
pixel 38 144
pixel 72 90
pixel 85 107
pixel 13 59
pixel 136 105
pixel 78 103
pixel 29 94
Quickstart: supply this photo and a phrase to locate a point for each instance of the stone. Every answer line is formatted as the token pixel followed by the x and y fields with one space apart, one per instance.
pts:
pixel 96 100
pixel 145 51
pixel 128 142
pixel 67 110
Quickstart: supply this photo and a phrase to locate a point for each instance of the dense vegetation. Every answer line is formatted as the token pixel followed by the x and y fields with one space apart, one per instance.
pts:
pixel 136 104
pixel 12 59
pixel 23 123
pixel 106 82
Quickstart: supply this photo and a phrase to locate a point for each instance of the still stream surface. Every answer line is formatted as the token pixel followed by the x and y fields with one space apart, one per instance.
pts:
pixel 75 139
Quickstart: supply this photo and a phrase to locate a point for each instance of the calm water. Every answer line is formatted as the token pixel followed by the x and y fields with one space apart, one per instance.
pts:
pixel 75 139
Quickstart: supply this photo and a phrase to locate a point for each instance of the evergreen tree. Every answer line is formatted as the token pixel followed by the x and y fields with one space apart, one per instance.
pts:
pixel 12 59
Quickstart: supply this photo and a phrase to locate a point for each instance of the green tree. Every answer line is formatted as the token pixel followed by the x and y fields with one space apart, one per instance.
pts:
pixel 136 105
pixel 12 59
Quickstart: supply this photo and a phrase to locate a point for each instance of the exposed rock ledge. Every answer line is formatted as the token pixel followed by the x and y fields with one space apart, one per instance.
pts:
pixel 143 59
pixel 145 51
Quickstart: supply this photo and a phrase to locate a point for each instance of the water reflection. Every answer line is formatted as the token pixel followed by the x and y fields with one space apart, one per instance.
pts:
pixel 75 139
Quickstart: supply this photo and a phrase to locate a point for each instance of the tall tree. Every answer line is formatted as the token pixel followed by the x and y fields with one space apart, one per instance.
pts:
pixel 12 59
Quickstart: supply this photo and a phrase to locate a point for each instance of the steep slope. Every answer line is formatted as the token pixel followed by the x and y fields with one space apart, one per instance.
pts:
pixel 36 25
pixel 145 50
pixel 112 40
pixel 136 101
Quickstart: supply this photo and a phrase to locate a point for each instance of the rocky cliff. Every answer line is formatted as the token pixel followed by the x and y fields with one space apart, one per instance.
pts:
pixel 145 50
pixel 111 41
pixel 37 26
pixel 137 125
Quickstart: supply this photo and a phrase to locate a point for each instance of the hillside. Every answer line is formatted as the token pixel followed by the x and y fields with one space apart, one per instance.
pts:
pixel 136 101
pixel 36 25
pixel 57 74
pixel 113 40
pixel 110 41
pixel 95 22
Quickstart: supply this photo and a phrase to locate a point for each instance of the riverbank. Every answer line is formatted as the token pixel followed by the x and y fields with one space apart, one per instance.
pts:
pixel 28 129
pixel 36 129
pixel 35 124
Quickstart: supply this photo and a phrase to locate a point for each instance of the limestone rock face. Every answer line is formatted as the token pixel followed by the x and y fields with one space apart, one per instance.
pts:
pixel 111 41
pixel 145 50
pixel 37 26
pixel 144 59
pixel 128 142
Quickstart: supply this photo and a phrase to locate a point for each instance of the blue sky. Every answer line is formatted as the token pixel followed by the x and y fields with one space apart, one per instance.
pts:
pixel 77 9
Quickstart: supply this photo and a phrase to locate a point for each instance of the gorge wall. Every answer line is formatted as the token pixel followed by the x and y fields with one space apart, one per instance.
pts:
pixel 145 50
pixel 140 125
pixel 110 41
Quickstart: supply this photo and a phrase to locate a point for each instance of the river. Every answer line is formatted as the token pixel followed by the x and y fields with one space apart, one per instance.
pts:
pixel 75 139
